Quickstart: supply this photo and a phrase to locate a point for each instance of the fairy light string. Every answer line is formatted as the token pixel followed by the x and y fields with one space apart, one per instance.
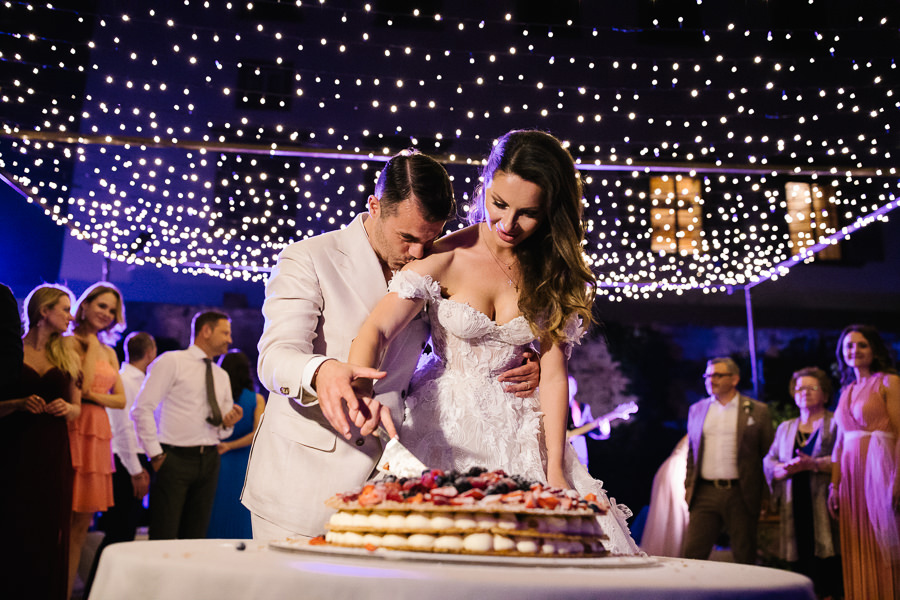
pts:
pixel 209 135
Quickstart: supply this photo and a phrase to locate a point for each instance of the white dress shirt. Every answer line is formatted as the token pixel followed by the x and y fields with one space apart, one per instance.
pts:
pixel 720 440
pixel 177 379
pixel 124 438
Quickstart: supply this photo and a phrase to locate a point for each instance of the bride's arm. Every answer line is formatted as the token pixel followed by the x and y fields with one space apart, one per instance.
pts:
pixel 554 398
pixel 387 319
pixel 338 383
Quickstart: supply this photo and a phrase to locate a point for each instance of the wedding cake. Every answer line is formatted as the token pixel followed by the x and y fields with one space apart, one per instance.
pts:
pixel 476 512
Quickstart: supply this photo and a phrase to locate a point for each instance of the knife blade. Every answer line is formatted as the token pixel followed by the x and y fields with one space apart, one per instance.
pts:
pixel 396 459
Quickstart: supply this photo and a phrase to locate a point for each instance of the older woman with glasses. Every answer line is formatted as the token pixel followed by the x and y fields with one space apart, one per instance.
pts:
pixel 798 469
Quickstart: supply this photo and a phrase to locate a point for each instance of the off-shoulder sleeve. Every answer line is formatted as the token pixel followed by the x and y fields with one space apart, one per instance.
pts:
pixel 409 284
pixel 573 331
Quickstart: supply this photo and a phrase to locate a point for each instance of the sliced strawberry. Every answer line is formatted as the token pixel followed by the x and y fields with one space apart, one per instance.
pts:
pixel 371 495
pixel 463 500
pixel 447 491
pixel 547 501
pixel 512 497
pixel 475 494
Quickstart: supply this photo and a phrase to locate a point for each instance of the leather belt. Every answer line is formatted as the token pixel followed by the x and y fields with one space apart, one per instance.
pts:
pixel 189 450
pixel 721 484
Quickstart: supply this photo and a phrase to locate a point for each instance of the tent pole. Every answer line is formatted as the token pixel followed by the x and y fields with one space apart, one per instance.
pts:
pixel 751 335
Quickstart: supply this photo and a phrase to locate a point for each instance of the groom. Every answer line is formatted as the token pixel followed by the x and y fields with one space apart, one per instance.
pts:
pixel 318 296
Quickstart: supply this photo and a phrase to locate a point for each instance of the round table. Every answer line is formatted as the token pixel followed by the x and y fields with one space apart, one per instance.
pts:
pixel 244 569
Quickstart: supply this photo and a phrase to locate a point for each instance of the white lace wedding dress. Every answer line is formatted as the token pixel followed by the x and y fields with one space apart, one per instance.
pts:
pixel 458 415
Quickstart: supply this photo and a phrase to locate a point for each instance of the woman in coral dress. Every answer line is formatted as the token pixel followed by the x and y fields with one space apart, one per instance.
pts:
pixel 99 318
pixel 865 492
pixel 35 463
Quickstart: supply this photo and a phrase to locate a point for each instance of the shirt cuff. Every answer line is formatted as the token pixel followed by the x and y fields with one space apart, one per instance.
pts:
pixel 152 449
pixel 132 464
pixel 308 373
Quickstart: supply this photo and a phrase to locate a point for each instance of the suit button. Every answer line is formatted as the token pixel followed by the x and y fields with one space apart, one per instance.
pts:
pixel 360 441
pixel 285 391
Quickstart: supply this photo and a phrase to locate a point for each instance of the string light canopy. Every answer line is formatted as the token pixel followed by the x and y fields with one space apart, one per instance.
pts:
pixel 206 136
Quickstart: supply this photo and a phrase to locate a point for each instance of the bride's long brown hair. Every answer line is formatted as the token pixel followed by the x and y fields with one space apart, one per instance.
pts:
pixel 556 281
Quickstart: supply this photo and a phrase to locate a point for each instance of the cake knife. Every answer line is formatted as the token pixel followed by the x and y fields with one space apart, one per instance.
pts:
pixel 396 459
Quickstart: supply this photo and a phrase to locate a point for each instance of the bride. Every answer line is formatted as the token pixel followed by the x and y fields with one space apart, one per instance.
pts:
pixel 513 278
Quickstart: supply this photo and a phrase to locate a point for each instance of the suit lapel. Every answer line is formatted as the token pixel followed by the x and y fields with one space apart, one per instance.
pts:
pixel 788 448
pixel 358 264
pixel 697 441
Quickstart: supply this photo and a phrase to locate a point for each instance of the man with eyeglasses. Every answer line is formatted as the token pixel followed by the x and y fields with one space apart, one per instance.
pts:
pixel 729 435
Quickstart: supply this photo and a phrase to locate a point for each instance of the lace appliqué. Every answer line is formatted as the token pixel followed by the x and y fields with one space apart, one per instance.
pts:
pixel 573 331
pixel 409 284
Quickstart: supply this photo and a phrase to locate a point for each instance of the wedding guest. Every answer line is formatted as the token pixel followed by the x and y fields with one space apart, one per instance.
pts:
pixel 229 517
pixel 667 517
pixel 10 345
pixel 729 434
pixel 580 415
pixel 131 479
pixel 99 319
pixel 196 412
pixel 35 461
pixel 865 489
pixel 798 470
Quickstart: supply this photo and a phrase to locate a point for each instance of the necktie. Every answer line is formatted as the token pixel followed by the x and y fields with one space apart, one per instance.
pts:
pixel 216 417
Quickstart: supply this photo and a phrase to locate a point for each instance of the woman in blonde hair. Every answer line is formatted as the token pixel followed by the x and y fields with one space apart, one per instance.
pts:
pixel 514 278
pixel 35 463
pixel 99 318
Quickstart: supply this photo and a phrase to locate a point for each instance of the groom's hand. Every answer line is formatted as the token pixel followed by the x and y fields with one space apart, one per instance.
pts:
pixel 333 385
pixel 523 380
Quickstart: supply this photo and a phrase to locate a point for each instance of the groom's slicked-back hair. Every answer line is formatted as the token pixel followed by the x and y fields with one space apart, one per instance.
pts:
pixel 411 174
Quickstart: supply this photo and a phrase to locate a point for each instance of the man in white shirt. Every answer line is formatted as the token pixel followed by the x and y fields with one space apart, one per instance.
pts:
pixel 197 412
pixel 729 434
pixel 131 479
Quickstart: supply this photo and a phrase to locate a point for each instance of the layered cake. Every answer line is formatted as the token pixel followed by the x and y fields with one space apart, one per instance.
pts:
pixel 476 512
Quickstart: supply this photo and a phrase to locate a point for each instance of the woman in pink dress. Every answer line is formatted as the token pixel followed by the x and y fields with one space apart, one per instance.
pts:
pixel 865 493
pixel 99 319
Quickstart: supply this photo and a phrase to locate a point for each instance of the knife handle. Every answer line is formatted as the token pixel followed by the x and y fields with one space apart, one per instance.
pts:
pixel 382 434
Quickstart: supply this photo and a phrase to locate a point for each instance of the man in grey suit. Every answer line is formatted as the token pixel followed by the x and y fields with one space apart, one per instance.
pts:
pixel 729 434
pixel 313 440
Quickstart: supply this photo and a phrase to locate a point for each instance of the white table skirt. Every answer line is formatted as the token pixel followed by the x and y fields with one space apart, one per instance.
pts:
pixel 218 570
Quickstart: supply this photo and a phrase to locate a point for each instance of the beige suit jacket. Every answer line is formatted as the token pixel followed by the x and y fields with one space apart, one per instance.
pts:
pixel 318 296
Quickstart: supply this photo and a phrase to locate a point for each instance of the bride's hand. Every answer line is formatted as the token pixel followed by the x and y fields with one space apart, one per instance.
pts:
pixel 556 478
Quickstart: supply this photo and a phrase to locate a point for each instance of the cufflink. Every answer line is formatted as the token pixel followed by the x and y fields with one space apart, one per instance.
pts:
pixel 285 391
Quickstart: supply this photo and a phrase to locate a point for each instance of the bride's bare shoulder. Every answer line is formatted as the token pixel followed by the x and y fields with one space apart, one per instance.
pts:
pixel 444 251
pixel 461 238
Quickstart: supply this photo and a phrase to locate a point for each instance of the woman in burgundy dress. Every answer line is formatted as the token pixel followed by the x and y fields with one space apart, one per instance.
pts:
pixel 36 467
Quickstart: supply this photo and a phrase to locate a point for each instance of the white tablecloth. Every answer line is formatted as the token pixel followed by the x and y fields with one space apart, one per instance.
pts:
pixel 219 570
